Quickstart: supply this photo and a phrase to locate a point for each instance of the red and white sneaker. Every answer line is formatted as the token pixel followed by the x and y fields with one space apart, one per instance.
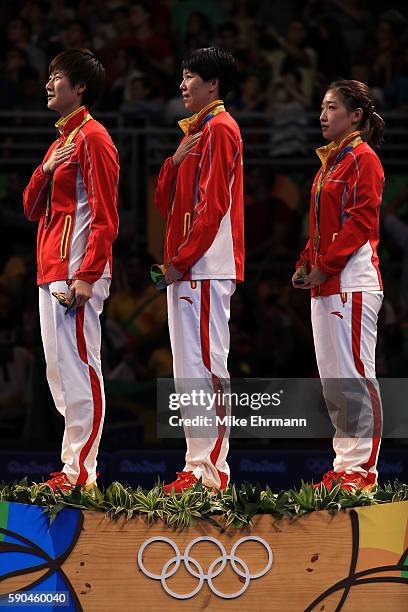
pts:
pixel 352 481
pixel 59 481
pixel 328 479
pixel 184 480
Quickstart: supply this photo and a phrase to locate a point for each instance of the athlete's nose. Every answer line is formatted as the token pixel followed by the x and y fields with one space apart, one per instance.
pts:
pixel 48 85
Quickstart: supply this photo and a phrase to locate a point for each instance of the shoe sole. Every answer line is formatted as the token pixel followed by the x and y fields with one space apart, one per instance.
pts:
pixel 364 489
pixel 88 487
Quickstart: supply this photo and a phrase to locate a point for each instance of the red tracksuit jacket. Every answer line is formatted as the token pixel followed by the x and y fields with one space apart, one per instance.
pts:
pixel 77 242
pixel 204 203
pixel 348 220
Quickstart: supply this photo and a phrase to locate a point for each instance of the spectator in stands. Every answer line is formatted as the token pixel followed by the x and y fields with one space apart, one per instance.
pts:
pixel 288 115
pixel 16 365
pixel 282 332
pixel 398 231
pixel 198 32
pixel 214 11
pixel 138 99
pixel 354 21
pixel 397 93
pixel 227 37
pixel 137 307
pixel 158 48
pixel 36 13
pixel 278 12
pixel 16 73
pixel 311 12
pixel 137 322
pixel 381 55
pixel 12 283
pixel 251 96
pixel 125 63
pixel 333 55
pixel 18 35
pixel 269 216
pixel 76 35
pixel 292 50
pixel 61 12
pixel 116 26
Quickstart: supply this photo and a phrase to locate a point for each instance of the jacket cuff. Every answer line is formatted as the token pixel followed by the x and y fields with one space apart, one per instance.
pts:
pixel 172 165
pixel 47 174
pixel 179 267
pixel 83 276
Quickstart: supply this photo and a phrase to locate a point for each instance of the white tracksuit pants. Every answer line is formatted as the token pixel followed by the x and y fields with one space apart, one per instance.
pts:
pixel 198 314
pixel 72 345
pixel 345 336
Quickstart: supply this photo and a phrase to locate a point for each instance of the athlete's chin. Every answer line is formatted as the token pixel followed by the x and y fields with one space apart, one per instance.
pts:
pixel 327 135
pixel 51 104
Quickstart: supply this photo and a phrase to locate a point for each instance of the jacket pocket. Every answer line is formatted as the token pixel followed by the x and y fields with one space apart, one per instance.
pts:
pixel 65 236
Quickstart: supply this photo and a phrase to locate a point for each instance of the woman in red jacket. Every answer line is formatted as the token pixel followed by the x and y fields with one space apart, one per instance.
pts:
pixel 340 267
pixel 73 196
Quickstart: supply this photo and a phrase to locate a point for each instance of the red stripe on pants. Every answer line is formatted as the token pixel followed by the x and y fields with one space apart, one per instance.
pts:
pixel 356 313
pixel 205 323
pixel 206 356
pixel 375 402
pixel 80 336
pixel 96 396
pixel 356 316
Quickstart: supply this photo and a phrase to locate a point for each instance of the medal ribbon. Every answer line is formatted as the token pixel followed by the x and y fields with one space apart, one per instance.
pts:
pixel 189 125
pixel 322 180
pixel 68 141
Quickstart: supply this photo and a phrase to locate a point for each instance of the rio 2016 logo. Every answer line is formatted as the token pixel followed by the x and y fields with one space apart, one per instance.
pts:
pixel 191 564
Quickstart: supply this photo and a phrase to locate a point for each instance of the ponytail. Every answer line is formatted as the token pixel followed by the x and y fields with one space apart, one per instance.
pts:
pixel 374 130
pixel 354 95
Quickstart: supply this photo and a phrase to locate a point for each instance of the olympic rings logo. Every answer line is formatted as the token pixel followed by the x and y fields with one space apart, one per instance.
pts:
pixel 193 566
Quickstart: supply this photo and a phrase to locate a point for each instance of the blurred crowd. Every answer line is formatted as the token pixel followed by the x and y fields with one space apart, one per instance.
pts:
pixel 286 52
pixel 270 321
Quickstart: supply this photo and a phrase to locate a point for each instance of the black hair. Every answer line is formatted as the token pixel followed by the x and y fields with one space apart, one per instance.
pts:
pixel 213 63
pixel 81 66
pixel 354 95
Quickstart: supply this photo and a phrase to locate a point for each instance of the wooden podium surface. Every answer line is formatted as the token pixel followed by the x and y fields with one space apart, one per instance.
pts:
pixel 352 560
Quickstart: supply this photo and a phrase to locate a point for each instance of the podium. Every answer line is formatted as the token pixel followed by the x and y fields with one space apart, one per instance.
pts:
pixel 354 559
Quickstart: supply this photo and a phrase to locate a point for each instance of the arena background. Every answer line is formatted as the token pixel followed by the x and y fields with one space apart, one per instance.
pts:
pixel 287 52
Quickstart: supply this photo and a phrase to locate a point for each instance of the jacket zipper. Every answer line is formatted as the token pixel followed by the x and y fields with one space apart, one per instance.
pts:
pixel 41 246
pixel 46 223
pixel 65 237
pixel 315 263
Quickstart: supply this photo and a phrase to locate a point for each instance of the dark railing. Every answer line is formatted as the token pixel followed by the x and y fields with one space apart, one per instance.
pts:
pixel 144 143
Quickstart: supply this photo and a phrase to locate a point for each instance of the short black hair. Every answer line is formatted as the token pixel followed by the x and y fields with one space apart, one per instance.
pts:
pixel 81 66
pixel 213 63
